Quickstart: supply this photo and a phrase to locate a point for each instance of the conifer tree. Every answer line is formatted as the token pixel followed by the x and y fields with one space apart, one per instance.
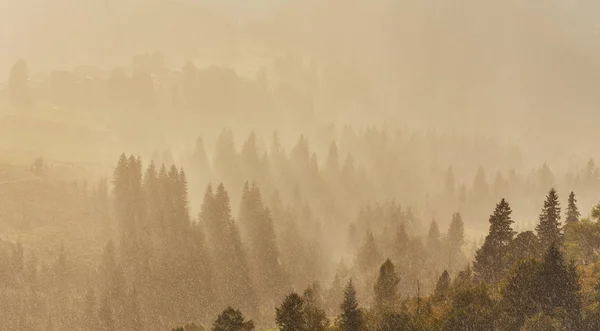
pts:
pixel 232 320
pixel 351 318
pixel 558 287
pixel 316 318
pixel 368 256
pixel 442 288
pixel 386 288
pixel 433 238
pixel 490 258
pixel 573 214
pixel 456 237
pixel 548 229
pixel 290 316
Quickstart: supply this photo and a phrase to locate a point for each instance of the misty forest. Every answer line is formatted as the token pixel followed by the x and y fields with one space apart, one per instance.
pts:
pixel 203 165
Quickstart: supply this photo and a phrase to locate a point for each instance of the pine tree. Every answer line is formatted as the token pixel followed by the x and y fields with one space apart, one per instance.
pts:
pixel 558 287
pixel 386 288
pixel 433 238
pixel 549 229
pixel 290 315
pixel 368 256
pixel 316 318
pixel 456 237
pixel 519 296
pixel 351 318
pixel 232 320
pixel 442 288
pixel 490 258
pixel 573 214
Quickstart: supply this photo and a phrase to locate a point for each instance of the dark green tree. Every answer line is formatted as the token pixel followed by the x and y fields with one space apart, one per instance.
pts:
pixel 351 318
pixel 524 246
pixel 549 229
pixel 394 321
pixel 232 320
pixel 490 259
pixel 519 294
pixel 573 214
pixel 558 288
pixel 290 316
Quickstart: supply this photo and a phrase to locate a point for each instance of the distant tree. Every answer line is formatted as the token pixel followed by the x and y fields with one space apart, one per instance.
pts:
pixel 18 86
pixel 232 320
pixel 433 237
pixel 456 237
pixel 369 256
pixel 351 318
pixel 290 316
pixel 316 318
pixel 549 229
pixel 572 210
pixel 386 288
pixel 490 258
pixel 401 245
pixel 443 286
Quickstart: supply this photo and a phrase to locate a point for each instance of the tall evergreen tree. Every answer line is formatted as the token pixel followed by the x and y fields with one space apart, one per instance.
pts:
pixel 549 228
pixel 490 258
pixel 573 214
pixel 351 318
pixel 290 316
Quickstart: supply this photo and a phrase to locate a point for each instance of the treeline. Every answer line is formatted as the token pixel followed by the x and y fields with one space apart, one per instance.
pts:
pixel 518 281
pixel 338 170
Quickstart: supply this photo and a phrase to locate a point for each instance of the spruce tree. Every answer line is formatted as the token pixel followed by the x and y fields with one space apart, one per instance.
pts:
pixel 490 259
pixel 351 318
pixel 558 287
pixel 573 214
pixel 386 288
pixel 290 316
pixel 549 229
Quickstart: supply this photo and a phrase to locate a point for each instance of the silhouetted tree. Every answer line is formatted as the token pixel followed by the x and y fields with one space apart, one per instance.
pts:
pixel 442 288
pixel 386 287
pixel 232 320
pixel 549 229
pixel 490 259
pixel 351 318
pixel 290 316
pixel 572 210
